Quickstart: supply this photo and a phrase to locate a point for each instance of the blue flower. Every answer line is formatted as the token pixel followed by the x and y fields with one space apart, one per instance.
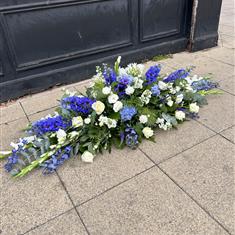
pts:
pixel 51 124
pixel 56 160
pixel 123 82
pixel 80 105
pixel 109 76
pixel 155 90
pixel 127 113
pixel 131 137
pixel 204 84
pixel 152 74
pixel 178 74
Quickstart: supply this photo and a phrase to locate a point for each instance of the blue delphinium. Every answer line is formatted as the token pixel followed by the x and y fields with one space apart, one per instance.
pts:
pixel 152 74
pixel 123 82
pixel 127 113
pixel 155 90
pixel 178 74
pixel 131 137
pixel 204 85
pixel 80 105
pixel 50 124
pixel 109 76
pixel 56 160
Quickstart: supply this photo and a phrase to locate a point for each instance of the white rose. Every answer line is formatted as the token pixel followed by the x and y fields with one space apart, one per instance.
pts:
pixel 113 98
pixel 117 106
pixel 99 107
pixel 77 121
pixel 170 103
pixel 143 119
pixel 180 115
pixel 87 157
pixel 61 136
pixel 148 132
pixel 179 98
pixel 129 90
pixel 193 108
pixel 106 90
pixel 162 85
pixel 87 120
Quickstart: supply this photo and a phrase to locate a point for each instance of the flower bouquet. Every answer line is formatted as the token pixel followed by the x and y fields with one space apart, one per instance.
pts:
pixel 120 108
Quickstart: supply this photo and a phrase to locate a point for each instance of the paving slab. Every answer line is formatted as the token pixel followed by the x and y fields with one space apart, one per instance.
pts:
pixel 30 201
pixel 227 30
pixel 219 114
pixel 42 114
pixel 206 172
pixel 68 223
pixel 174 141
pixel 84 181
pixel 228 41
pixel 229 134
pixel 40 102
pixel 147 204
pixel 11 112
pixel 10 132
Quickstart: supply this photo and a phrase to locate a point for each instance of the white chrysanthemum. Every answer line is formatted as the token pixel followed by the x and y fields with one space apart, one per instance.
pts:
pixel 113 98
pixel 143 119
pixel 162 85
pixel 87 157
pixel 117 106
pixel 77 121
pixel 148 132
pixel 180 115
pixel 194 108
pixel 87 120
pixel 179 98
pixel 99 107
pixel 129 90
pixel 106 90
pixel 61 136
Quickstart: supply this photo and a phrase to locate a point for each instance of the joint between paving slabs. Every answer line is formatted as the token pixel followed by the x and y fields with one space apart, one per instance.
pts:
pixel 185 192
pixel 74 206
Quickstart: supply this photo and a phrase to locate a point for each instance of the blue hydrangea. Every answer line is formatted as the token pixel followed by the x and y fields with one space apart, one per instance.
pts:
pixel 79 105
pixel 178 74
pixel 109 76
pixel 155 90
pixel 127 113
pixel 204 85
pixel 131 137
pixel 152 74
pixel 56 160
pixel 50 124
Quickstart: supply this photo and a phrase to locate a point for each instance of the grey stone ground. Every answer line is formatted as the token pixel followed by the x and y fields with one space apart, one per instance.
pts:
pixel 183 184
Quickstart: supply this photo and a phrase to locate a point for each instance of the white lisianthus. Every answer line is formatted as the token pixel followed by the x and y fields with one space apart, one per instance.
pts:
pixel 162 85
pixel 179 98
pixel 180 115
pixel 111 123
pixel 129 90
pixel 117 106
pixel 113 98
pixel 99 107
pixel 194 108
pixel 106 90
pixel 29 139
pixel 73 134
pixel 61 136
pixel 77 121
pixel 14 145
pixel 177 88
pixel 102 120
pixel 87 157
pixel 145 97
pixel 87 120
pixel 70 93
pixel 143 119
pixel 170 103
pixel 138 83
pixel 148 132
